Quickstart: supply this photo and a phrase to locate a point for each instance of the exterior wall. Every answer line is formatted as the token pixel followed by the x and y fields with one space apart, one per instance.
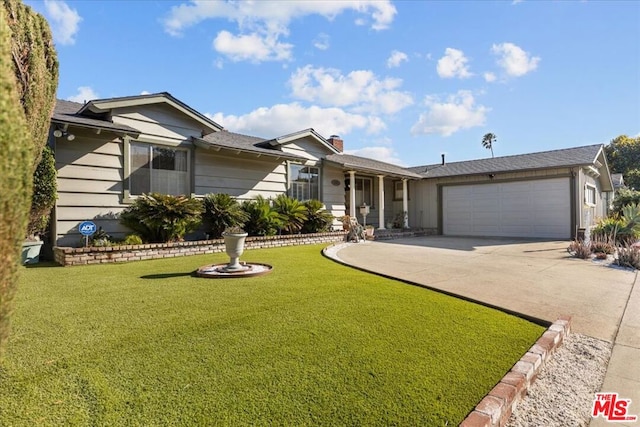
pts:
pixel 90 175
pixel 589 215
pixel 242 176
pixel 333 196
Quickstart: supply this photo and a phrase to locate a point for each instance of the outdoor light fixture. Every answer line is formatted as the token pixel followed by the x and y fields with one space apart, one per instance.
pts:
pixel 58 133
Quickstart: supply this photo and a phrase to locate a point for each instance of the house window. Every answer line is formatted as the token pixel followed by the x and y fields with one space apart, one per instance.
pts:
pixel 364 191
pixel 156 169
pixel 304 182
pixel 590 195
pixel 397 190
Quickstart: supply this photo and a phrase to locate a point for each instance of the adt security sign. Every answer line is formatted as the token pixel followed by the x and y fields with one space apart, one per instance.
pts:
pixel 87 228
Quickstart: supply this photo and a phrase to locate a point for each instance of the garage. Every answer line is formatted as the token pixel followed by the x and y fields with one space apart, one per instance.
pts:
pixel 533 209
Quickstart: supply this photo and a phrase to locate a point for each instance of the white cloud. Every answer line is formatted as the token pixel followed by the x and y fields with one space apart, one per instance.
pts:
pixel 251 47
pixel 145 92
pixel 282 119
pixel 515 61
pixel 396 59
pixel 453 64
pixel 489 77
pixel 458 112
pixel 85 93
pixel 321 41
pixel 64 21
pixel 261 24
pixel 384 154
pixel 361 90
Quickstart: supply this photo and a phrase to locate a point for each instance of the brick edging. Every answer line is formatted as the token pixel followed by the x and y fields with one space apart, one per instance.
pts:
pixel 67 256
pixel 496 407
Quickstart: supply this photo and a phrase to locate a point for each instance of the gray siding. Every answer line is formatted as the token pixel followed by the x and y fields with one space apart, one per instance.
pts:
pixel 241 176
pixel 89 185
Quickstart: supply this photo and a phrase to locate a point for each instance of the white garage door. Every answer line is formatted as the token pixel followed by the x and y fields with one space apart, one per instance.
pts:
pixel 538 209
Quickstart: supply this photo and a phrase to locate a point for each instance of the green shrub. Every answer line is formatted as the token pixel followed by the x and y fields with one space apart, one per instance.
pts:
pixel 623 198
pixel 292 213
pixel 262 220
pixel 318 219
pixel 222 211
pixel 132 239
pixel 159 218
pixel 44 194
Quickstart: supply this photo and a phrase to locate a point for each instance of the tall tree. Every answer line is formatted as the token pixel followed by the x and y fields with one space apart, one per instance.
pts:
pixel 28 81
pixel 488 140
pixel 623 156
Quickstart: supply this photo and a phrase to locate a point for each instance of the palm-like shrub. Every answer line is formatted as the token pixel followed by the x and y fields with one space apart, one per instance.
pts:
pixel 318 219
pixel 262 220
pixel 292 213
pixel 630 230
pixel 608 228
pixel 222 211
pixel 159 218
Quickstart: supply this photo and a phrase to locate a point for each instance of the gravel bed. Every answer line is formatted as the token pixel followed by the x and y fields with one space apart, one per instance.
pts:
pixel 564 391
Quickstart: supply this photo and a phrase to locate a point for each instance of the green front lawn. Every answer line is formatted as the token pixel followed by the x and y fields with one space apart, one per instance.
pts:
pixel 312 343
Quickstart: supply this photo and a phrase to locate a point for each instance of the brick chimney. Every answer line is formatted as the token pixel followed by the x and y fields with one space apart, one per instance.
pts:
pixel 337 142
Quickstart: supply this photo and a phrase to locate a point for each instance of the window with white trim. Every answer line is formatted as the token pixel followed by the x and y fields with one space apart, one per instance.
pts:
pixel 398 189
pixel 304 182
pixel 158 169
pixel 590 195
pixel 364 191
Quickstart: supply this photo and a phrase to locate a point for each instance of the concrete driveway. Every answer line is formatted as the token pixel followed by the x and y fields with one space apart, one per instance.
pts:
pixel 538 278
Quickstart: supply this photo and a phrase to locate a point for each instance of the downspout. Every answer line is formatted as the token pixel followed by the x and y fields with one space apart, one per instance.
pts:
pixel 574 208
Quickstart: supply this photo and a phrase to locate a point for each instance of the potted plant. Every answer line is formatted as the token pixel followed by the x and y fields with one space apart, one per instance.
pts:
pixel 368 230
pixel 234 246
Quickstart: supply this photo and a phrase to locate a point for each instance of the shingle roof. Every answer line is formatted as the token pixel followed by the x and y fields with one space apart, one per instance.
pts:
pixel 569 157
pixel 65 112
pixel 237 141
pixel 348 161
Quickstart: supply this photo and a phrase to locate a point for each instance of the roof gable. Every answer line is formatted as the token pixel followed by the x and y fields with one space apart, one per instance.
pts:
pixel 296 136
pixel 104 106
pixel 65 113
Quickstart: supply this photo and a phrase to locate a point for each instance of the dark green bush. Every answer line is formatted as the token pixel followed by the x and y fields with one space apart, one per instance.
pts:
pixel 318 219
pixel 222 211
pixel 293 213
pixel 44 193
pixel 159 218
pixel 624 198
pixel 262 220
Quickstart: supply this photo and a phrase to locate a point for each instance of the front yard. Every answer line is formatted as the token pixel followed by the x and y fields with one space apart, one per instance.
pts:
pixel 312 343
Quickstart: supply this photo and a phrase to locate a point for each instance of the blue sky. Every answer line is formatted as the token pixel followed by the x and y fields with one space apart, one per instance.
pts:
pixel 401 82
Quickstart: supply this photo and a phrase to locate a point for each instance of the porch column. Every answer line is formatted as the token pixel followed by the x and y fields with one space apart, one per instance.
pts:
pixel 405 203
pixel 381 202
pixel 352 194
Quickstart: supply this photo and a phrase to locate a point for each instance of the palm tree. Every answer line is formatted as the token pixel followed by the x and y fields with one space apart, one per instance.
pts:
pixel 488 140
